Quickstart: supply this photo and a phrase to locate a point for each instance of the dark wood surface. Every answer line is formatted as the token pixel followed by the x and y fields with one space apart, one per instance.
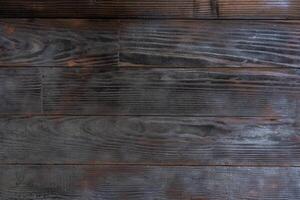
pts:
pixel 156 43
pixel 148 100
pixel 232 43
pixel 142 182
pixel 165 91
pixel 236 141
pixel 163 9
pixel 68 43
pixel 107 8
pixel 270 92
pixel 20 91
pixel 259 9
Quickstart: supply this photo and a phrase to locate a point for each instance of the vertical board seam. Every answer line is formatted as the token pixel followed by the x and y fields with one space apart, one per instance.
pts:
pixel 214 5
pixel 119 42
pixel 42 90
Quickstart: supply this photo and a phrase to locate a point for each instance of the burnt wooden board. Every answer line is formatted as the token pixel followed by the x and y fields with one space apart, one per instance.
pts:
pixel 20 91
pixel 217 43
pixel 191 9
pixel 156 43
pixel 150 140
pixel 149 183
pixel 176 92
pixel 107 8
pixel 257 9
pixel 155 91
pixel 58 42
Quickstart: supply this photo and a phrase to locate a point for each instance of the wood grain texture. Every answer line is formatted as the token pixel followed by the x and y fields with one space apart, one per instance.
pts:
pixel 20 91
pixel 164 91
pixel 217 43
pixel 106 8
pixel 255 9
pixel 150 141
pixel 155 43
pixel 149 183
pixel 58 42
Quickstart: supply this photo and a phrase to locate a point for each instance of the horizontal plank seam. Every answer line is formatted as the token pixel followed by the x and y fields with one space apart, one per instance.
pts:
pixel 149 67
pixel 162 18
pixel 149 165
pixel 175 115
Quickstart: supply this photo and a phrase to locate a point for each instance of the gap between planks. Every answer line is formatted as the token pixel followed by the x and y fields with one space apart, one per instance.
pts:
pixel 148 165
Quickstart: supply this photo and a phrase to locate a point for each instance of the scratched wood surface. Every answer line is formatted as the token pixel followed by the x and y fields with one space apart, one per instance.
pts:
pixel 210 43
pixel 150 91
pixel 152 182
pixel 68 43
pixel 236 141
pixel 165 91
pixel 107 8
pixel 149 100
pixel 259 9
pixel 188 9
pixel 20 91
pixel 156 43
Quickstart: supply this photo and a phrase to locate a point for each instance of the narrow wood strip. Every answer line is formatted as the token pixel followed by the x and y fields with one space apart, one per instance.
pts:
pixel 255 9
pixel 20 91
pixel 150 140
pixel 58 42
pixel 218 43
pixel 105 8
pixel 130 182
pixel 192 92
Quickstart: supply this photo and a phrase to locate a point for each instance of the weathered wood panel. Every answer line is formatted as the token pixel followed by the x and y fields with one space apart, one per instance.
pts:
pixel 150 140
pixel 149 43
pixel 255 9
pixel 216 43
pixel 107 8
pixel 163 91
pixel 58 42
pixel 149 183
pixel 20 91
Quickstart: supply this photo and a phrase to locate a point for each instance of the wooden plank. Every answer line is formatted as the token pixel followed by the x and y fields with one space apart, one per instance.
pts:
pixel 255 9
pixel 58 42
pixel 163 91
pixel 215 43
pixel 20 91
pixel 150 141
pixel 149 43
pixel 137 182
pixel 106 9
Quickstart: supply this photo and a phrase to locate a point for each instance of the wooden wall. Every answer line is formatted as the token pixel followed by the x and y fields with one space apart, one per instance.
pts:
pixel 187 100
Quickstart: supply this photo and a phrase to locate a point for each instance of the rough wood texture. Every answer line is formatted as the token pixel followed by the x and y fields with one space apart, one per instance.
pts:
pixel 210 43
pixel 149 43
pixel 255 9
pixel 20 91
pixel 192 9
pixel 150 140
pixel 58 42
pixel 106 8
pixel 149 183
pixel 156 91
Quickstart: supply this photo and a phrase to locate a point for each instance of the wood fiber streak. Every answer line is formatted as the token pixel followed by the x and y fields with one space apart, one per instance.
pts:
pixel 217 43
pixel 255 9
pixel 149 183
pixel 106 8
pixel 58 42
pixel 181 91
pixel 20 91
pixel 150 140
